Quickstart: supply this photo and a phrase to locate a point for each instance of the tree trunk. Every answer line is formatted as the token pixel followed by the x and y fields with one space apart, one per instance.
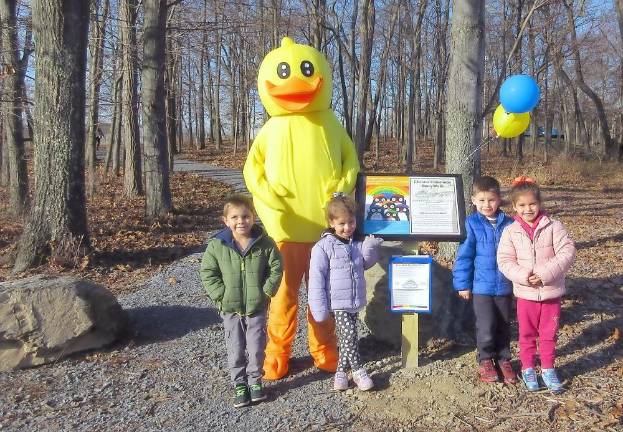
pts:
pixel 157 190
pixel 201 95
pixel 216 114
pixel 117 152
pixel 366 31
pixel 58 222
pixel 317 22
pixel 96 51
pixel 23 63
pixel 13 142
pixel 442 13
pixel 619 8
pixel 534 135
pixel 132 178
pixel 190 94
pixel 464 108
pixel 114 124
pixel 171 92
pixel 413 108
pixel 380 84
pixel 581 82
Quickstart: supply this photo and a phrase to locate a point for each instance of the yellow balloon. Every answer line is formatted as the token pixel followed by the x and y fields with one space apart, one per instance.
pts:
pixel 510 125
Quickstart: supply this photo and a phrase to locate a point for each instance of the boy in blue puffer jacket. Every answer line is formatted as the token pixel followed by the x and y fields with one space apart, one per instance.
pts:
pixel 476 274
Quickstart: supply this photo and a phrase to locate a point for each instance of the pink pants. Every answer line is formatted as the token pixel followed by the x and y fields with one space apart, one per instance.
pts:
pixel 538 320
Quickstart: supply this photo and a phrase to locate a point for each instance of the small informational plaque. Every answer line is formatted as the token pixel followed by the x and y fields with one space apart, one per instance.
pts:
pixel 410 281
pixel 416 207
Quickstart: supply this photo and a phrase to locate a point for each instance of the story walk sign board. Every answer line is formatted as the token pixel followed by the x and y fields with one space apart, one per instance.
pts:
pixel 411 207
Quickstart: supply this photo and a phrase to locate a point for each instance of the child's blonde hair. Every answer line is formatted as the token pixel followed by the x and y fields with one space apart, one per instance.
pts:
pixel 238 200
pixel 340 204
pixel 522 185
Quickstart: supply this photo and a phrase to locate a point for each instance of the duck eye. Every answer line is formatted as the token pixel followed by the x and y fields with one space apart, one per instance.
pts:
pixel 307 68
pixel 283 70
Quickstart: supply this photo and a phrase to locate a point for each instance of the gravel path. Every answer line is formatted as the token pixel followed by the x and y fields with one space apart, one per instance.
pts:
pixel 172 372
pixel 172 375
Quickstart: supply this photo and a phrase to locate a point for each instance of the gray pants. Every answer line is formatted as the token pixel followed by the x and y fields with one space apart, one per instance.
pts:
pixel 245 338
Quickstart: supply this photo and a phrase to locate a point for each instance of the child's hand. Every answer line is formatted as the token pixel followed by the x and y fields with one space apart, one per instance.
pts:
pixel 465 294
pixel 376 241
pixel 535 280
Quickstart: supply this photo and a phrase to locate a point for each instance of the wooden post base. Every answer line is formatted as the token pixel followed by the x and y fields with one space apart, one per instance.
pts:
pixel 410 342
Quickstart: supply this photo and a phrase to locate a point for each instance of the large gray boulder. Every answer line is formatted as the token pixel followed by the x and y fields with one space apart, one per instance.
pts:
pixel 43 319
pixel 451 317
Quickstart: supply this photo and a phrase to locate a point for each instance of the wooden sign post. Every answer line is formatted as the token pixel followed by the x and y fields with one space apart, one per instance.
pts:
pixel 410 340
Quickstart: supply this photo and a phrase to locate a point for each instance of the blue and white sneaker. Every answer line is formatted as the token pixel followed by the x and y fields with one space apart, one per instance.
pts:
pixel 551 380
pixel 530 379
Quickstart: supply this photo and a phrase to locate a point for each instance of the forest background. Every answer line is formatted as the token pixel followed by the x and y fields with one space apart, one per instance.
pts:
pixel 100 100
pixel 199 59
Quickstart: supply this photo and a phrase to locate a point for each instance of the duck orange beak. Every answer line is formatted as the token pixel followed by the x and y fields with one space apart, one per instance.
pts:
pixel 294 94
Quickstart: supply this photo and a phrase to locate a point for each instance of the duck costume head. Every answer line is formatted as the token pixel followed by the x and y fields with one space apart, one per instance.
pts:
pixel 294 79
pixel 299 158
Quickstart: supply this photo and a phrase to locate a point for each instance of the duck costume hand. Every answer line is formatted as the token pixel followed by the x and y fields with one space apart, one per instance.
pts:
pixel 298 158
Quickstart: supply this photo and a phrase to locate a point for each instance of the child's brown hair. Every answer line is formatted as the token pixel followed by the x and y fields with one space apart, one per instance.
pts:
pixel 486 184
pixel 238 200
pixel 340 204
pixel 522 185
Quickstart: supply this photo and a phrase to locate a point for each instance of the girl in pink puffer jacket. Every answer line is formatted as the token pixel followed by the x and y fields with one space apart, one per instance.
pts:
pixel 535 253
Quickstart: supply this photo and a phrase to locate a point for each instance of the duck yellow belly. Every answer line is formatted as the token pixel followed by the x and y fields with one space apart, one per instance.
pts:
pixel 295 163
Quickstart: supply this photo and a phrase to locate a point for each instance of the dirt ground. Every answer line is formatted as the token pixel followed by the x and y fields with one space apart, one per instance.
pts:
pixel 443 394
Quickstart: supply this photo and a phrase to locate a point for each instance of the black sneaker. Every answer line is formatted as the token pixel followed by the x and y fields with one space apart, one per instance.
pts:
pixel 257 393
pixel 242 397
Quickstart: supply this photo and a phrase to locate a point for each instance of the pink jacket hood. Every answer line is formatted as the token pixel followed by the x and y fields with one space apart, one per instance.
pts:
pixel 549 255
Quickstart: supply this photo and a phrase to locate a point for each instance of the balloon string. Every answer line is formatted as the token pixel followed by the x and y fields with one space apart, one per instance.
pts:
pixel 485 141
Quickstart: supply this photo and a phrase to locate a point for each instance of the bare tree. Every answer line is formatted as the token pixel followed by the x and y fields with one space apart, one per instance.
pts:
pixel 13 142
pixel 465 92
pixel 581 81
pixel 172 60
pixel 132 185
pixel 619 8
pixel 366 31
pixel 157 190
pixel 57 222
pixel 96 52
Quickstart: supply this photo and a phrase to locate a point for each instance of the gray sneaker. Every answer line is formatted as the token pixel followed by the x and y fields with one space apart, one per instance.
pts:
pixel 241 398
pixel 257 392
pixel 340 381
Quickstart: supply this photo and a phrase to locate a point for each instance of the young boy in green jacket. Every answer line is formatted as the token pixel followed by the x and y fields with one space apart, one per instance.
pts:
pixel 240 271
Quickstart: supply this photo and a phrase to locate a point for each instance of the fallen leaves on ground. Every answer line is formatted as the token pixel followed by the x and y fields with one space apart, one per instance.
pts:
pixel 126 248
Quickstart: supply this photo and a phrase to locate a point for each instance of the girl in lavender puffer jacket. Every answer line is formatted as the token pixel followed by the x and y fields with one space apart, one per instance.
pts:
pixel 337 284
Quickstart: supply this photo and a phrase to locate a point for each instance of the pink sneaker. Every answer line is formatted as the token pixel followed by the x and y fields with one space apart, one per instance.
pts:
pixel 340 381
pixel 363 381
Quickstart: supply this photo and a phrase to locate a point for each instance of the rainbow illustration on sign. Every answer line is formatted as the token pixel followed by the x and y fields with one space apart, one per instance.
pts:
pixel 387 205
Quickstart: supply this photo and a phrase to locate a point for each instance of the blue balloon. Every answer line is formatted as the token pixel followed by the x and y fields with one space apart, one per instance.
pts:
pixel 519 94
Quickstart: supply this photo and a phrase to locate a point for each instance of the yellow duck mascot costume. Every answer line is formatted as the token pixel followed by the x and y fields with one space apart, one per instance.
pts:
pixel 300 157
